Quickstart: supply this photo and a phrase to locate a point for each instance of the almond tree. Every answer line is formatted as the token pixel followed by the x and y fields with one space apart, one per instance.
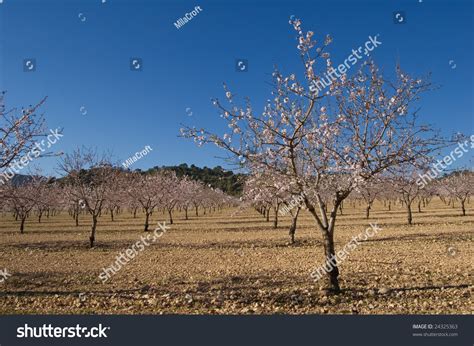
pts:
pixel 197 197
pixel 358 129
pixel 18 130
pixel 369 192
pixel 146 191
pixel 91 178
pixel 45 197
pixel 426 194
pixel 115 197
pixel 405 186
pixel 272 192
pixel 23 198
pixel 459 185
pixel 171 190
pixel 189 192
pixel 71 198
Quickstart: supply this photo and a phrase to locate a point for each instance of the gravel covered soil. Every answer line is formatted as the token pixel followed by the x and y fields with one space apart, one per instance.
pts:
pixel 238 264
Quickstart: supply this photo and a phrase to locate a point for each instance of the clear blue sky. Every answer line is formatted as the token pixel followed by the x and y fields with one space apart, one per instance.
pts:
pixel 86 63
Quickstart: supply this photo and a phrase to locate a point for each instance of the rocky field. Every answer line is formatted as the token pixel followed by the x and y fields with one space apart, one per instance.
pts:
pixel 236 263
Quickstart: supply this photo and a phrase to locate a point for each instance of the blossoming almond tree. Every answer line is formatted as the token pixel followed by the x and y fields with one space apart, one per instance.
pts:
pixel 18 131
pixel 359 128
pixel 459 185
pixel 92 179
pixel 23 198
pixel 146 191
pixel 369 193
pixel 404 185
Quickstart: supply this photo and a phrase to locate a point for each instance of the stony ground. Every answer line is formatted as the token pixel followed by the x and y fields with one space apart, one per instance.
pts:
pixel 237 264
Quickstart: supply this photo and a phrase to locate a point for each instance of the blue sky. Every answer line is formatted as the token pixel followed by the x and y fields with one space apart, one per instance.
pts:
pixel 85 63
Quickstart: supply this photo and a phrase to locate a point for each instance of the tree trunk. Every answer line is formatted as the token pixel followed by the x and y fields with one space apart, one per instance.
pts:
pixel 332 280
pixel 112 214
pixel 409 216
pixel 22 225
pixel 171 216
pixel 275 220
pixel 147 217
pixel 292 231
pixel 419 206
pixel 367 211
pixel 268 214
pixel 293 227
pixel 76 217
pixel 94 226
pixel 463 208
pixel 197 213
pixel 327 230
pixel 186 213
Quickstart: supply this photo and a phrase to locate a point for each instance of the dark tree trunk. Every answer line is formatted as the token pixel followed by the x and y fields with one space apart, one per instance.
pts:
pixel 94 226
pixel 170 213
pixel 293 227
pixel 186 213
pixel 147 217
pixel 367 211
pixel 332 280
pixel 409 215
pixel 22 225
pixel 327 230
pixel 76 216
pixel 275 220
pixel 463 208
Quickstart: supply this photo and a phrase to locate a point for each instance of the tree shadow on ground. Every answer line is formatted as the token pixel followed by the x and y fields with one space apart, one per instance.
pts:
pixel 461 236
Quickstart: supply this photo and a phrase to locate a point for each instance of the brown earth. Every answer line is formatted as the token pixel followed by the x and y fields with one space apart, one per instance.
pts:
pixel 224 264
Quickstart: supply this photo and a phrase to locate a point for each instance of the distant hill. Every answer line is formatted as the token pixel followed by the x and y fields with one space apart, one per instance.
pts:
pixel 20 179
pixel 217 177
